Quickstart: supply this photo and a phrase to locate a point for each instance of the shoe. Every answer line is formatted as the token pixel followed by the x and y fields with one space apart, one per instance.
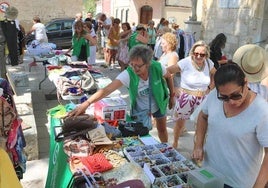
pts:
pixel 104 66
pixel 111 66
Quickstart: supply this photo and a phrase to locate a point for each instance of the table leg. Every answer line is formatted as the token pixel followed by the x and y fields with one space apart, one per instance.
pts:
pixel 45 77
pixel 32 64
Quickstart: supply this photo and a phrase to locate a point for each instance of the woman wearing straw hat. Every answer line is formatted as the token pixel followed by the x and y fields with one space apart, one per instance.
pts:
pixel 254 62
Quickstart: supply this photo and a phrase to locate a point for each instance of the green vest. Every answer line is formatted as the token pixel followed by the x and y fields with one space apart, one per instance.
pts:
pixel 132 40
pixel 77 46
pixel 158 86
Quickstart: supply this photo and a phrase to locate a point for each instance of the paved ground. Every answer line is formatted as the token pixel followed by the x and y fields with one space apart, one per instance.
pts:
pixel 33 99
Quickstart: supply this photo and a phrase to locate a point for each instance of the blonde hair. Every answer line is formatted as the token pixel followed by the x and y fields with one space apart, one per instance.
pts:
pixel 171 40
pixel 200 43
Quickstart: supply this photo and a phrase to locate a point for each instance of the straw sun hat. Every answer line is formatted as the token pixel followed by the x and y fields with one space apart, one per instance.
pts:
pixel 253 60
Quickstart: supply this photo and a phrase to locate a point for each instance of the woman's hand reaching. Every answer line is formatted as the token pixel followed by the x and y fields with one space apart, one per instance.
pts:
pixel 198 155
pixel 79 109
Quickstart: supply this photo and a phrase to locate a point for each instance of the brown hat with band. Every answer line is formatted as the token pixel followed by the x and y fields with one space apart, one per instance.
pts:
pixel 253 60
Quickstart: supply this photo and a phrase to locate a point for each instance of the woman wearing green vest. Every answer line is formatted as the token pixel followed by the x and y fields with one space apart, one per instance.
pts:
pixel 140 36
pixel 136 79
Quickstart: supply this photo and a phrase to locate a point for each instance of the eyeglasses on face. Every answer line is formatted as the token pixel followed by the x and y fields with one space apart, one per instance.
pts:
pixel 234 96
pixel 199 54
pixel 136 66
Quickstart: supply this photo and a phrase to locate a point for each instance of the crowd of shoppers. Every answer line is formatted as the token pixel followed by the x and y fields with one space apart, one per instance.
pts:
pixel 232 114
pixel 231 128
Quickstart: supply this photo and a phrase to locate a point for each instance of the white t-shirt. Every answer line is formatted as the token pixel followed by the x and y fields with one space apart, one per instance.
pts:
pixel 164 61
pixel 108 21
pixel 40 32
pixel 143 91
pixel 165 58
pixel 234 145
pixel 191 78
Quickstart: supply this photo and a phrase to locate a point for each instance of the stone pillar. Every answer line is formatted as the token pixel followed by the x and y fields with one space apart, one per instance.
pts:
pixel 193 27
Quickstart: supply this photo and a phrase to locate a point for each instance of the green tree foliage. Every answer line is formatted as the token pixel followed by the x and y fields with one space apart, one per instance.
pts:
pixel 90 6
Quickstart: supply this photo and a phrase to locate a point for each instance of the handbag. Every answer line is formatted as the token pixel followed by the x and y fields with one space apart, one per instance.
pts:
pixel 132 129
pixel 143 117
pixel 8 115
pixel 88 83
pixel 75 126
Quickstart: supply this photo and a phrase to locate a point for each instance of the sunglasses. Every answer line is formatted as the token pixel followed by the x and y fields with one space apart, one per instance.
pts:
pixel 198 54
pixel 136 66
pixel 234 96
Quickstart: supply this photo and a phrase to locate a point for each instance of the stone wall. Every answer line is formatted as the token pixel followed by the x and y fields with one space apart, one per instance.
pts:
pixel 241 25
pixel 45 9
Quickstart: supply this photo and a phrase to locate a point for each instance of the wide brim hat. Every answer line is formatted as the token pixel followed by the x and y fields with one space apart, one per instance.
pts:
pixel 11 13
pixel 253 60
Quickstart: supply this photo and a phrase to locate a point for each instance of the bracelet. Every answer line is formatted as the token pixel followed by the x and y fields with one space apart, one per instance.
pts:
pixel 209 88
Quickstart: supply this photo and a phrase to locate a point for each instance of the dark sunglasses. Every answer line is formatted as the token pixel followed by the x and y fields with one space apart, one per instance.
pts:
pixel 234 96
pixel 198 54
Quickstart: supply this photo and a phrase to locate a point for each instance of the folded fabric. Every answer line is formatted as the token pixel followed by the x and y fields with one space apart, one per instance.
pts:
pixel 81 122
pixel 111 131
pixel 98 136
pixel 77 147
pixel 76 126
pixel 96 163
pixel 58 111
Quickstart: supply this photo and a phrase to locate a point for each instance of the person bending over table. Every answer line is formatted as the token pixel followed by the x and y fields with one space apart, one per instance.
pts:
pixel 136 79
pixel 232 130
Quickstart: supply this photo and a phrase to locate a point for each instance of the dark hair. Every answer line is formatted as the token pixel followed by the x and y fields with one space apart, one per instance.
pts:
pixel 229 73
pixel 37 19
pixel 116 20
pixel 88 24
pixel 161 20
pixel 79 23
pixel 218 41
pixel 88 20
pixel 127 24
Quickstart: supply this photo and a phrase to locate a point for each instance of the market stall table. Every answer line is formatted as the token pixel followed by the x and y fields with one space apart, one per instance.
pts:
pixel 54 73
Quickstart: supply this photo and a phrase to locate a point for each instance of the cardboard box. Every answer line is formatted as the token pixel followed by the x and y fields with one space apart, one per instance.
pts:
pixel 114 108
pixel 205 178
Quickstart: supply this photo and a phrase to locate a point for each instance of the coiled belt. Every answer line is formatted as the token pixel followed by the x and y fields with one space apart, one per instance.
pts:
pixel 197 93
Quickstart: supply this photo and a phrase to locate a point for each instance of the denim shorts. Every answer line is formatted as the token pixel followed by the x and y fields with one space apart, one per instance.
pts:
pixel 158 114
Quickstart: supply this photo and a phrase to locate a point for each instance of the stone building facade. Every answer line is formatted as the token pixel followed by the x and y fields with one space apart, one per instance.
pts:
pixel 242 23
pixel 45 9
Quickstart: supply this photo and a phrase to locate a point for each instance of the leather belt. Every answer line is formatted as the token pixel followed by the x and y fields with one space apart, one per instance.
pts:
pixel 197 93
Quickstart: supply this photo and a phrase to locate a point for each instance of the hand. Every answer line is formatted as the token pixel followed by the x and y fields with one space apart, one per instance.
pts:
pixel 198 155
pixel 79 109
pixel 171 102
